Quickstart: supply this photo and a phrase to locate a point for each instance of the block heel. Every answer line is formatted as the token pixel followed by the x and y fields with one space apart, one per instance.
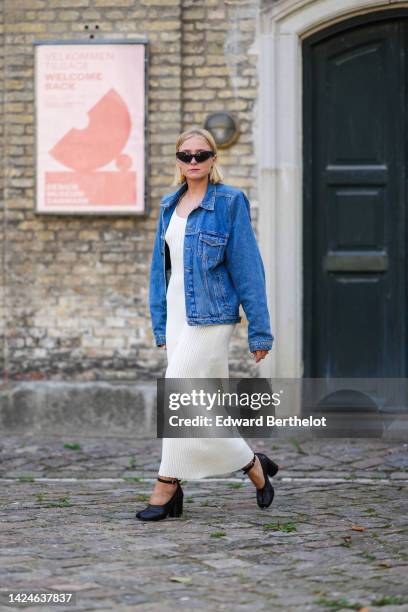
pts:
pixel 177 509
pixel 271 467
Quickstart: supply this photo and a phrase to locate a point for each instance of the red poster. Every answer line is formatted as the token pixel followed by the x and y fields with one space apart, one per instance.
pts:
pixel 90 128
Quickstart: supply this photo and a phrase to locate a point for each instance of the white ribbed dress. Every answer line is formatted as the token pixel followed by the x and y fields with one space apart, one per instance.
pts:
pixel 195 351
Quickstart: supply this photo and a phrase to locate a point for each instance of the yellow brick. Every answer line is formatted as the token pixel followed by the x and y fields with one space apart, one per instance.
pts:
pixel 70 3
pixel 44 235
pixel 16 107
pixel 19 119
pixel 215 83
pixel 69 15
pixel 11 5
pixel 193 14
pixel 116 3
pixel 14 84
pixel 88 235
pixel 208 71
pixel 34 28
pixel 199 94
pixel 162 26
pixel 47 15
pixel 160 2
pixel 90 14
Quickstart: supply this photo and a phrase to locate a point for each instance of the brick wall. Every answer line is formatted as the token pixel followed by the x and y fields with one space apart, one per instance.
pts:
pixel 76 288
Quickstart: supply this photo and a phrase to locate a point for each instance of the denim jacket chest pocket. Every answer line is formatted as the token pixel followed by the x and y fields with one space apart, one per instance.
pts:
pixel 211 246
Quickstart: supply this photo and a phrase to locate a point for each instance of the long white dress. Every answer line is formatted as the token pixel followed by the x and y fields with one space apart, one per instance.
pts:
pixel 195 351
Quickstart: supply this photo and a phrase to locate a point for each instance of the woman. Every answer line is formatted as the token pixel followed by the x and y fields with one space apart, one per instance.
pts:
pixel 205 231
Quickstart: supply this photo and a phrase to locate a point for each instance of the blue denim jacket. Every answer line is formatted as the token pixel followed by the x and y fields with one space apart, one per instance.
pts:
pixel 223 267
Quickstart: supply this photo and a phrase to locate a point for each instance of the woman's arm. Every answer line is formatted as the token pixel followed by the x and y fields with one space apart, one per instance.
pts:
pixel 244 264
pixel 157 290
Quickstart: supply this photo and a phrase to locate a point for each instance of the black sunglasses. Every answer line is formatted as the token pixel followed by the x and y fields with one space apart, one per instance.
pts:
pixel 199 157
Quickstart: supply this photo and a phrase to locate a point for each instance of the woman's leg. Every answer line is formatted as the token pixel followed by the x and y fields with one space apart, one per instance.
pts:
pixel 188 358
pixel 162 492
pixel 256 473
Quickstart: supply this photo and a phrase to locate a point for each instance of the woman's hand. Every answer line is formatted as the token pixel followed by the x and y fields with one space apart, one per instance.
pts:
pixel 163 346
pixel 260 354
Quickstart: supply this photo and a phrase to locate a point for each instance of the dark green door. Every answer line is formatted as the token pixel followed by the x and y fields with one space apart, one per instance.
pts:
pixel 354 237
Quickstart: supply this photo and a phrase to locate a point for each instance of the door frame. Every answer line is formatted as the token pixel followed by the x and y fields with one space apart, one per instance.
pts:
pixel 282 30
pixel 307 160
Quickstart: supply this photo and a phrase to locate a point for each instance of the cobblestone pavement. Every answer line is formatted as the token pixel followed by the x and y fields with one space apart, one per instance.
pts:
pixel 335 537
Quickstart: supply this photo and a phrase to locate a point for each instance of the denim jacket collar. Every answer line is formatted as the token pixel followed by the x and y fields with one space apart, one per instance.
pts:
pixel 207 202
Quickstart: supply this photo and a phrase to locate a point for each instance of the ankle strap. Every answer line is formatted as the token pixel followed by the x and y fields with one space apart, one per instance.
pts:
pixel 250 465
pixel 173 481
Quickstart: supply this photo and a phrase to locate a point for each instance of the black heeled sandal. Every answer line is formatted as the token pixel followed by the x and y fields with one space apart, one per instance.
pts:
pixel 264 496
pixel 172 508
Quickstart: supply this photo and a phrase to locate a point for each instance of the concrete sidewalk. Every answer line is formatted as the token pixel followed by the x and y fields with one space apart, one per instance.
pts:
pixel 334 538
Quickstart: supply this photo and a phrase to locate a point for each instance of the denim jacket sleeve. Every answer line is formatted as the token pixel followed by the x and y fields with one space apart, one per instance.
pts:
pixel 157 290
pixel 244 264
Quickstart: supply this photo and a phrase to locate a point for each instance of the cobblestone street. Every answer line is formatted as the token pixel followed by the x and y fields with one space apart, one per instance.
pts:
pixel 334 538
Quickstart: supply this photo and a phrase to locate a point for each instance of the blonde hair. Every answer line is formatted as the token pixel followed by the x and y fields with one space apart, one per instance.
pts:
pixel 215 175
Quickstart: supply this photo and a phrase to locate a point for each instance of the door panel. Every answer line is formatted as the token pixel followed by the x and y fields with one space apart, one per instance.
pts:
pixel 354 201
